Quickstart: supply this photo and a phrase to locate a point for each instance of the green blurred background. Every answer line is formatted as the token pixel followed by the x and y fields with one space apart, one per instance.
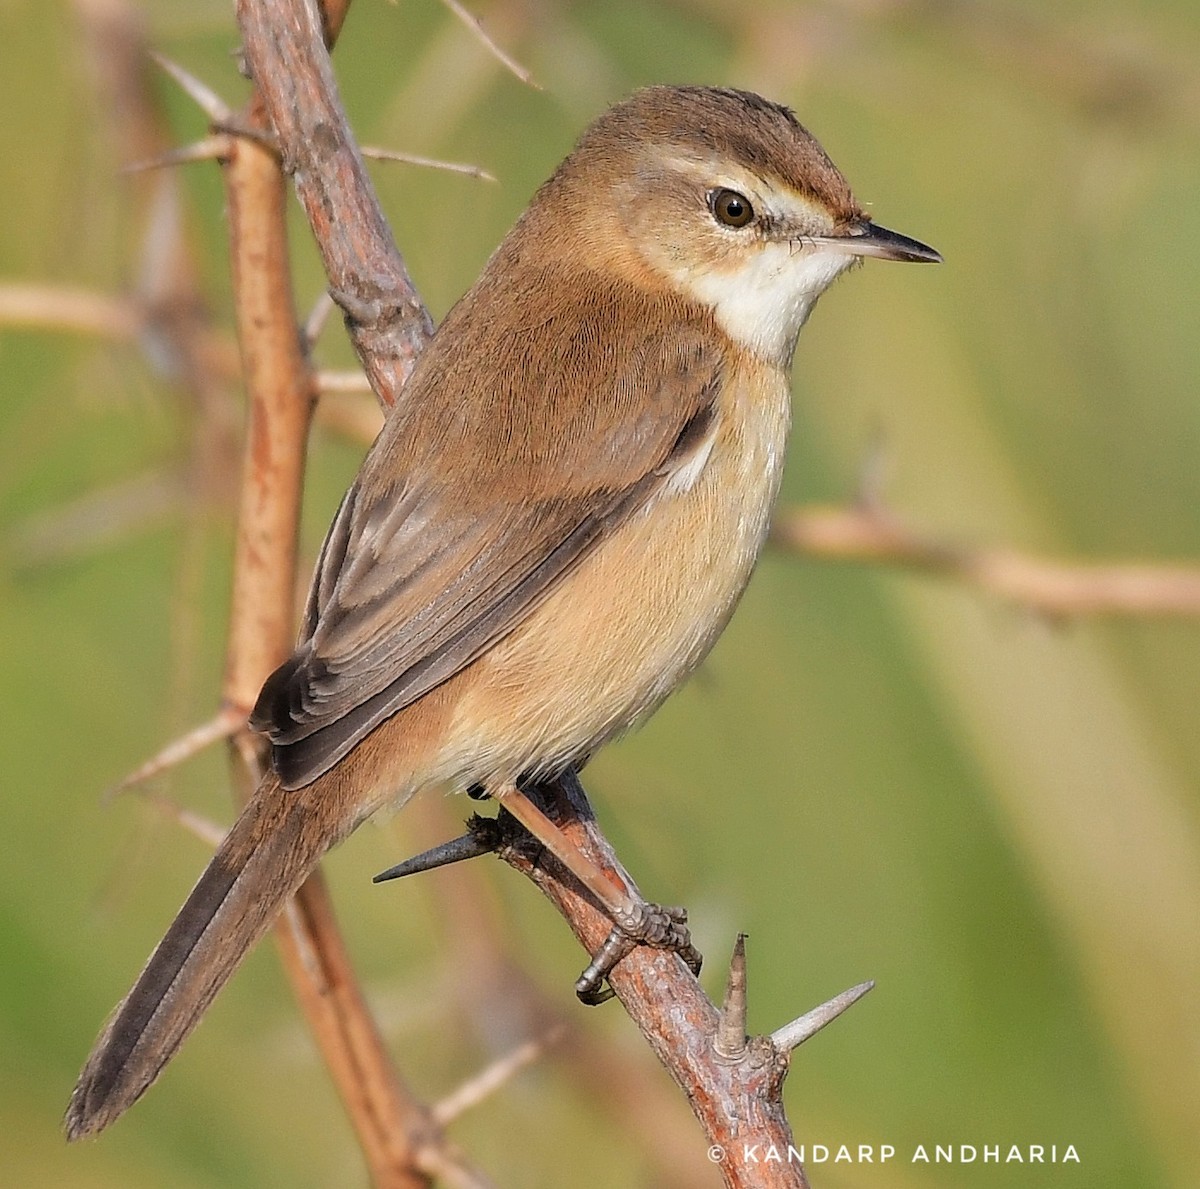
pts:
pixel 876 774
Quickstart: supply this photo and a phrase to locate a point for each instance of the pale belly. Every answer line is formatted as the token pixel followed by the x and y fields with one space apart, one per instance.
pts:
pixel 636 617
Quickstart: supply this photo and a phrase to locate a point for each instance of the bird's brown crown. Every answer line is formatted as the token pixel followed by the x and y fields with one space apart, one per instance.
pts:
pixel 719 124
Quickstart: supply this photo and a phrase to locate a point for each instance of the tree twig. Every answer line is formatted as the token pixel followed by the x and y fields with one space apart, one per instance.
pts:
pixel 638 1102
pixel 870 533
pixel 61 307
pixel 475 25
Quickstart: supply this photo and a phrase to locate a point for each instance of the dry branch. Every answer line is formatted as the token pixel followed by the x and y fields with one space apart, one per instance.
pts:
pixel 637 1101
pixel 737 1098
pixel 387 321
pixel 59 308
pixel 869 533
pixel 505 59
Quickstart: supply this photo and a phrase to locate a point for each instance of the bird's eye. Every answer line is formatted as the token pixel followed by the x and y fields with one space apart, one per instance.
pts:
pixel 731 208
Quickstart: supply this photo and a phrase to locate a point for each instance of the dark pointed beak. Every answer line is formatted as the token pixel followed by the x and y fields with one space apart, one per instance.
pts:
pixel 869 239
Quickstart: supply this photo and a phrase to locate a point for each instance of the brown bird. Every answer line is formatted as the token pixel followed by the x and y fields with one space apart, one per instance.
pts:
pixel 555 523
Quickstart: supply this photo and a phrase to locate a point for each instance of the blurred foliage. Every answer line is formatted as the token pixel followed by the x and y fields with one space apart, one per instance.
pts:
pixel 875 775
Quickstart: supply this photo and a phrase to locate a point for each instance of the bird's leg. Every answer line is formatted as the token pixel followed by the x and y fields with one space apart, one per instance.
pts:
pixel 635 920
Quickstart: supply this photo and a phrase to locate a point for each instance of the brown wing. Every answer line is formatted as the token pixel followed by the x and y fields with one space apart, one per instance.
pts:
pixel 422 571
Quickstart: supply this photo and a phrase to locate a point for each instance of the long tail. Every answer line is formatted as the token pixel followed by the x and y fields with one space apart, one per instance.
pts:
pixel 274 844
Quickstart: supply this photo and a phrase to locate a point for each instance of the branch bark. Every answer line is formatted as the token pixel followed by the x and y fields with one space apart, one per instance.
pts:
pixel 737 1097
pixel 869 533
pixel 386 319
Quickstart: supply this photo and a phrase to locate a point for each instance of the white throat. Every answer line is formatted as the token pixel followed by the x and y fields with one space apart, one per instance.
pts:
pixel 763 303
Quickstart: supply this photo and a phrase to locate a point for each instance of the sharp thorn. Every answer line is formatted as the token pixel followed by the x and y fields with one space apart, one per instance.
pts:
pixel 474 24
pixel 208 831
pixel 209 102
pixel 225 723
pixel 211 148
pixel 261 136
pixel 375 153
pixel 730 1041
pixel 792 1035
pixel 331 383
pixel 482 839
pixel 317 318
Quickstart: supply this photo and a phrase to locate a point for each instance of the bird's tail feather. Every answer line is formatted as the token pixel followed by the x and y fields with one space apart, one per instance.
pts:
pixel 267 854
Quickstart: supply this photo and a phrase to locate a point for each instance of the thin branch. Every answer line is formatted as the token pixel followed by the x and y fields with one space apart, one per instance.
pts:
pixel 638 1101
pixel 438 1164
pixel 199 826
pixel 872 534
pixel 736 1101
pixel 97 519
pixel 609 890
pixel 488 1081
pixel 315 323
pixel 210 148
pixel 221 726
pixel 200 93
pixel 329 382
pixel 279 386
pixel 62 307
pixel 375 153
pixel 475 25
